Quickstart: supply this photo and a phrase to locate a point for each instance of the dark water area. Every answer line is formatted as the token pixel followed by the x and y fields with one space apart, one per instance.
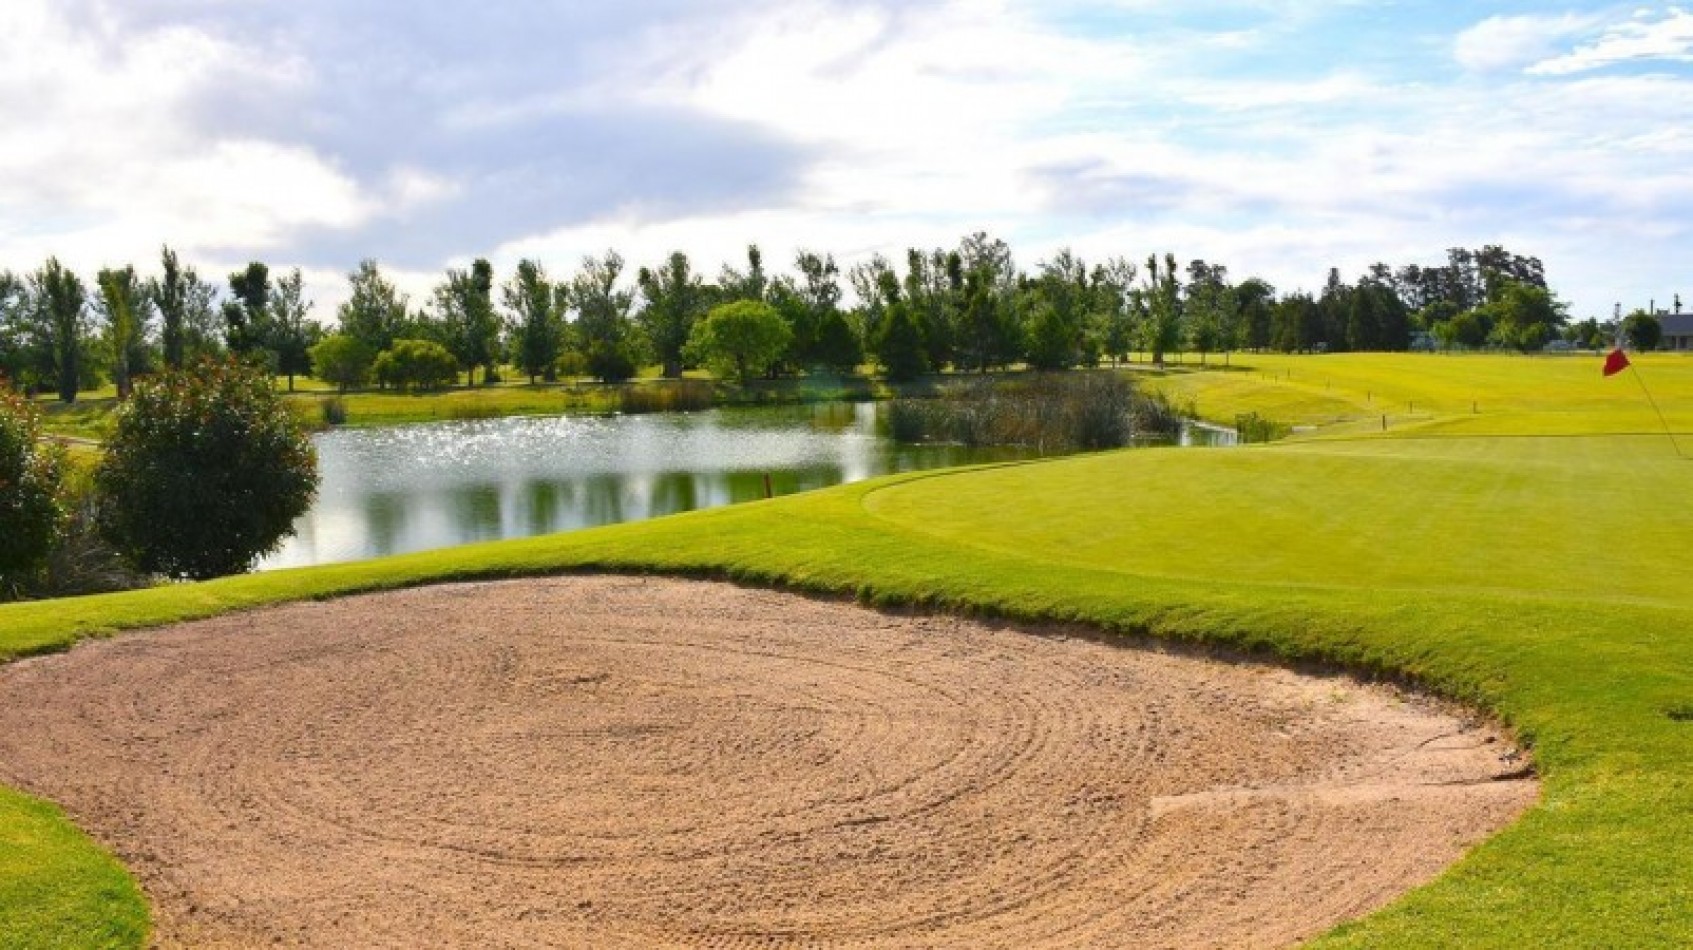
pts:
pixel 416 487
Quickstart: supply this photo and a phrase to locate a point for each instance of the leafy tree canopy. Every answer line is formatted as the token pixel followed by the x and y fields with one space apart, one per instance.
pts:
pixel 740 339
pixel 205 471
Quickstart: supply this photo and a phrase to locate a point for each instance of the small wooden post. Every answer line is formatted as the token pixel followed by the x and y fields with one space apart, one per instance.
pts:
pixel 1384 422
pixel 768 493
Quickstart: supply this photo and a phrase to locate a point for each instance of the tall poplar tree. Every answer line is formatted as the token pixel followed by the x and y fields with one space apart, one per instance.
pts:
pixel 465 306
pixel 61 302
pixel 292 333
pixel 125 310
pixel 537 307
pixel 675 299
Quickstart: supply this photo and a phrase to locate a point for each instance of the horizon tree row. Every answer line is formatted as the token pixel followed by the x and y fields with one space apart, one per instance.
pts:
pixel 968 309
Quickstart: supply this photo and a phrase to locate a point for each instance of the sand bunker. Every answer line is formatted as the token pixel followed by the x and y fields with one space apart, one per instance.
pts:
pixel 623 762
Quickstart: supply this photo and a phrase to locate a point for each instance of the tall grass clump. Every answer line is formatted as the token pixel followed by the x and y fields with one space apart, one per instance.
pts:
pixel 333 411
pixel 80 560
pixel 1051 411
pixel 468 411
pixel 683 395
pixel 1252 427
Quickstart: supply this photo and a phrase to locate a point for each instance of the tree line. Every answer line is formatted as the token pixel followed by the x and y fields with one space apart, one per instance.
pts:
pixel 968 308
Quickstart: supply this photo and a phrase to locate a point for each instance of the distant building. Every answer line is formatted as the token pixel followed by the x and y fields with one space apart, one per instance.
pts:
pixel 1678 331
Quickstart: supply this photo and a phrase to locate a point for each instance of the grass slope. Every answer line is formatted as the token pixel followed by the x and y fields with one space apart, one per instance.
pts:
pixel 1534 575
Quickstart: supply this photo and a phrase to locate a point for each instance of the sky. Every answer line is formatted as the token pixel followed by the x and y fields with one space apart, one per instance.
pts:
pixel 1278 137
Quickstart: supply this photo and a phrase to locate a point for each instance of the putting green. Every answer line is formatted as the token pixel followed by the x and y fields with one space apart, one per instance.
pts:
pixel 1588 519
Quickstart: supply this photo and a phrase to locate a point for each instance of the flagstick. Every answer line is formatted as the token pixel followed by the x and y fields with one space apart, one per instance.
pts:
pixel 1665 422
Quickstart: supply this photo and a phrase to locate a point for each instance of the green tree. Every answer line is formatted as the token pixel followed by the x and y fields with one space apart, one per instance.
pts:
pixel 374 313
pixel 1470 328
pixel 1211 316
pixel 206 470
pixel 822 335
pixel 125 309
pixel 1524 316
pixel 1160 308
pixel 603 329
pixel 1112 320
pixel 1376 317
pixel 342 360
pixel 187 315
pixel 62 318
pixel 1642 331
pixel 750 284
pixel 417 366
pixel 837 348
pixel 247 316
pixel 20 354
pixel 898 341
pixel 31 502
pixel 987 331
pixel 675 298
pixel 292 330
pixel 933 303
pixel 1295 323
pixel 1052 340
pixel 742 339
pixel 1058 302
pixel 1256 298
pixel 464 305
pixel 868 279
pixel 537 326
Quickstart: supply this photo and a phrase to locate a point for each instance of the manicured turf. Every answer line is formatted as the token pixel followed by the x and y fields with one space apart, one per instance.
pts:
pixel 1539 576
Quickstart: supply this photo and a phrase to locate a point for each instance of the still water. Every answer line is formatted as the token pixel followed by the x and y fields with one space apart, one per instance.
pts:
pixel 415 487
pixel 410 488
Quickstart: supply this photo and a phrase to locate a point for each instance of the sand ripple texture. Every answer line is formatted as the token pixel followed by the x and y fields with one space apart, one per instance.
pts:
pixel 615 762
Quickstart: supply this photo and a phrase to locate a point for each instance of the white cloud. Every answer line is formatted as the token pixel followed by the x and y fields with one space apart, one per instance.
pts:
pixel 110 161
pixel 1645 38
pixel 1502 43
pixel 853 128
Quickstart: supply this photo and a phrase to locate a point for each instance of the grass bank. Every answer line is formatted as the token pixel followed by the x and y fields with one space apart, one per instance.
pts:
pixel 89 417
pixel 1527 563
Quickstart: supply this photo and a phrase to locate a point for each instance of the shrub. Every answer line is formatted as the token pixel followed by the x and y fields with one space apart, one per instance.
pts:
pixel 31 502
pixel 81 561
pixel 205 471
pixel 1251 427
pixel 569 365
pixel 333 411
pixel 609 362
pixel 341 360
pixel 417 365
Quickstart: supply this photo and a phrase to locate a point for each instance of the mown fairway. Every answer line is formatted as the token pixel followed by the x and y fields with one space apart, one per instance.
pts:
pixel 1528 556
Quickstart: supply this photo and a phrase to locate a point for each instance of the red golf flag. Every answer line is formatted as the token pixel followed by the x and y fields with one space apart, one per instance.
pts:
pixel 1616 362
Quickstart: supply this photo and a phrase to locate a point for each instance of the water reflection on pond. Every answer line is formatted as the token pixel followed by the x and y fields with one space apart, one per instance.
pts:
pixel 415 487
pixel 409 488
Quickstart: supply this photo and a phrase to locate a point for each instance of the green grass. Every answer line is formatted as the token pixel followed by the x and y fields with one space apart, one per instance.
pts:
pixel 1538 576
pixel 90 416
pixel 1472 394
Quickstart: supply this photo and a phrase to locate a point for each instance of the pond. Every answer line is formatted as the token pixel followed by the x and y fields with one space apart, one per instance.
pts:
pixel 415 487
